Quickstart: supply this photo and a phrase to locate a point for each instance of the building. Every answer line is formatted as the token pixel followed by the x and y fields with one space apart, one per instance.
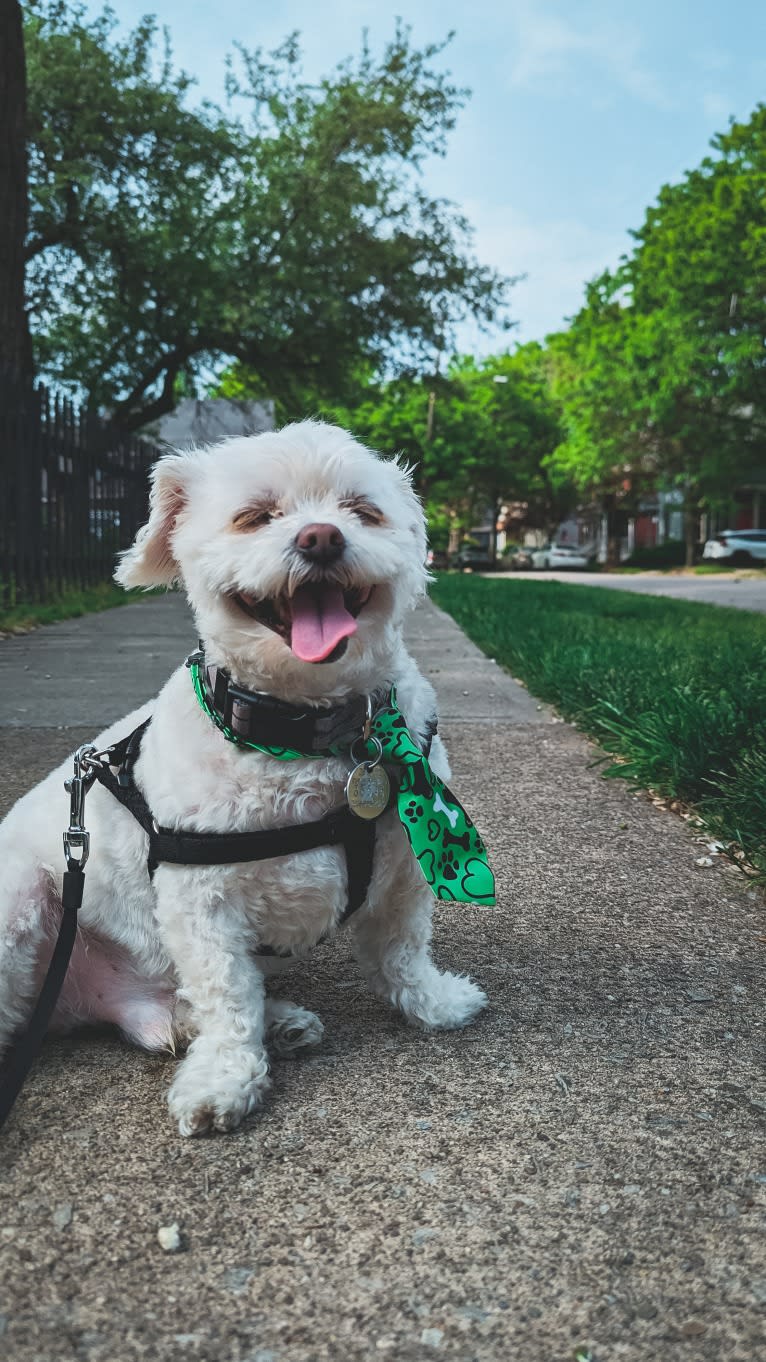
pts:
pixel 205 420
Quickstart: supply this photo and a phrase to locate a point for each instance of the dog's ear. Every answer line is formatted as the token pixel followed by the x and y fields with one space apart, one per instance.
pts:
pixel 150 560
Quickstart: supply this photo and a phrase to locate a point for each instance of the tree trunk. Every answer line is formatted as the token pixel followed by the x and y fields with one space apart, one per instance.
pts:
pixel 612 532
pixel 690 531
pixel 496 504
pixel 15 343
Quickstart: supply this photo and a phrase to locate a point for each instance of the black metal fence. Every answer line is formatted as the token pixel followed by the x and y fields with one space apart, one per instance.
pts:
pixel 73 492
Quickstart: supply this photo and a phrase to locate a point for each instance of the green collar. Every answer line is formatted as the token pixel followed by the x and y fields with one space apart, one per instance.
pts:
pixel 442 837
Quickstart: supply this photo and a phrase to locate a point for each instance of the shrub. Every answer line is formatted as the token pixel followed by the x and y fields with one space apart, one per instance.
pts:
pixel 668 555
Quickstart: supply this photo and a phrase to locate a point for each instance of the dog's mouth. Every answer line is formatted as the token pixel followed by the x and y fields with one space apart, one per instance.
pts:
pixel 316 622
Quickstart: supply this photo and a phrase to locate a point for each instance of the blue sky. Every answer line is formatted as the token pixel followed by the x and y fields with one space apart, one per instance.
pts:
pixel 580 111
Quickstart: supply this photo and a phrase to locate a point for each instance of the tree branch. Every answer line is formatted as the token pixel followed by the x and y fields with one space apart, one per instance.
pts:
pixel 129 419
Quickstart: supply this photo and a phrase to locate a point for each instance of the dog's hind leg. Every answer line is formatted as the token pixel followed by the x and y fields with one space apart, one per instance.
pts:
pixel 102 982
pixel 290 1028
pixel 29 908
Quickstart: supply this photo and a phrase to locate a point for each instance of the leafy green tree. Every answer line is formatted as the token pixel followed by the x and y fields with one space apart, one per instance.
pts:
pixel 603 451
pixel 476 437
pixel 290 233
pixel 701 256
pixel 662 375
pixel 505 423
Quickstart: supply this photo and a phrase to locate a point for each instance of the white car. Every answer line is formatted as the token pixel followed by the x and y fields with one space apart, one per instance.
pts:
pixel 737 546
pixel 563 556
pixel 540 556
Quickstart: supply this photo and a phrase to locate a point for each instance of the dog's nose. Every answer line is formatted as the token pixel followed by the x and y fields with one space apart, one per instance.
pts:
pixel 321 543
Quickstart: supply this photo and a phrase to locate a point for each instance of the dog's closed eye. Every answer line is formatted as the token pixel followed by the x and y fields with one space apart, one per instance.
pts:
pixel 255 517
pixel 366 510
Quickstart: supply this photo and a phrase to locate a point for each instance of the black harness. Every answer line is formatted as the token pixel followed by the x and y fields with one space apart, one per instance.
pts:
pixel 340 827
pixel 253 717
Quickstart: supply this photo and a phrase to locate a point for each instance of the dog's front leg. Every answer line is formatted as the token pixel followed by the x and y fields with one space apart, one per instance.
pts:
pixel 225 1074
pixel 392 942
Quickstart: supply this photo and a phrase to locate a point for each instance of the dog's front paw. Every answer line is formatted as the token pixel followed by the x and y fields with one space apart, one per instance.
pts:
pixel 445 1003
pixel 216 1086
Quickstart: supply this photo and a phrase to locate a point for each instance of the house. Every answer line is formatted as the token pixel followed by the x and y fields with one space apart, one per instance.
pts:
pixel 205 420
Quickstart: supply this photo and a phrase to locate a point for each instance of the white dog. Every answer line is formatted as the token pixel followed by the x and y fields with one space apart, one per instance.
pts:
pixel 301 553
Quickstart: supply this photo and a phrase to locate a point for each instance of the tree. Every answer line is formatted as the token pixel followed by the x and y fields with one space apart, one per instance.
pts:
pixel 15 346
pixel 701 255
pixel 476 437
pixel 292 235
pixel 662 374
pixel 603 451
pixel 506 425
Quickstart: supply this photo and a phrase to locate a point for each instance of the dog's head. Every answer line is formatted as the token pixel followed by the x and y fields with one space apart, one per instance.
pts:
pixel 300 553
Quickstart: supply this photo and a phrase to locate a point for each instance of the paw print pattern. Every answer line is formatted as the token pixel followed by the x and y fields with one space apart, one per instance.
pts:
pixel 443 839
pixel 448 865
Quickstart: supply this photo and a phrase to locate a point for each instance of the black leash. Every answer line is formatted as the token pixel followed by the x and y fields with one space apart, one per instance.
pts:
pixel 26 1048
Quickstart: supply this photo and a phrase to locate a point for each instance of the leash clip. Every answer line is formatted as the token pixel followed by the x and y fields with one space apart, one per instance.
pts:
pixel 76 837
pixel 365 738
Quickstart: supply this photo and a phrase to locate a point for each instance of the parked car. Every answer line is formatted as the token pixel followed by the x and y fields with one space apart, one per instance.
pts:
pixel 570 556
pixel 541 556
pixel 471 556
pixel 737 546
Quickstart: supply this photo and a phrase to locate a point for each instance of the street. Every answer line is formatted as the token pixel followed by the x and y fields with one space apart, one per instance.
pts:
pixel 747 593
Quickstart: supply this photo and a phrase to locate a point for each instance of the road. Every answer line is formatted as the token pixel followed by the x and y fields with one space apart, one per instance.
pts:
pixel 746 593
pixel 583 1168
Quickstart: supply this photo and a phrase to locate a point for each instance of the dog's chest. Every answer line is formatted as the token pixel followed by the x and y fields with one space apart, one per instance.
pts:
pixel 290 900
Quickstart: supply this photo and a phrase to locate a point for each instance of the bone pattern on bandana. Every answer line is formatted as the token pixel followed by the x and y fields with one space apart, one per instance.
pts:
pixel 443 838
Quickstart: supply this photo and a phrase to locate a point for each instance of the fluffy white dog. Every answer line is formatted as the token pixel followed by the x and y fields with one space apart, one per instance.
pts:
pixel 301 553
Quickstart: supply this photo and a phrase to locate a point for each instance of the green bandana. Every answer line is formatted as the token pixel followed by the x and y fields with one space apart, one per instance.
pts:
pixel 443 839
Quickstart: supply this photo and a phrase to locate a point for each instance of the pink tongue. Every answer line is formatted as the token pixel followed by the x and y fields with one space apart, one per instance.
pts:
pixel 320 622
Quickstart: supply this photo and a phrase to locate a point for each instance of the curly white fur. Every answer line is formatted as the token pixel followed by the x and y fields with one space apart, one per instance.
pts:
pixel 176 958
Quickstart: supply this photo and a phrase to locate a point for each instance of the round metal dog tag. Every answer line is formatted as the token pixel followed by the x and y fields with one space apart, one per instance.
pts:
pixel 367 790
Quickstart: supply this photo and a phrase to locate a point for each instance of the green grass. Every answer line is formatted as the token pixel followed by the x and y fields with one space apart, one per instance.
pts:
pixel 19 619
pixel 712 569
pixel 675 691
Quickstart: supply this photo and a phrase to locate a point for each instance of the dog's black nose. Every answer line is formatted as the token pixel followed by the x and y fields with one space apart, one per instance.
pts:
pixel 321 543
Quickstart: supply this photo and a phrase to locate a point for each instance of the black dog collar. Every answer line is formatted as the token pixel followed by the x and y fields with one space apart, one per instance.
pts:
pixel 256 717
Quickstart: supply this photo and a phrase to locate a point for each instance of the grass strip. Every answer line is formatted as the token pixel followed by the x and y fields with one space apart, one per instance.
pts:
pixel 674 690
pixel 70 603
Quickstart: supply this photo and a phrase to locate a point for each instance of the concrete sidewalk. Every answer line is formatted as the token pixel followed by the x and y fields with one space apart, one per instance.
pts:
pixel 583 1167
pixel 744 593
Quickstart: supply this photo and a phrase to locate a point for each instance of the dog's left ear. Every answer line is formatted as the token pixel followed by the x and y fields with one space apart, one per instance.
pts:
pixel 150 560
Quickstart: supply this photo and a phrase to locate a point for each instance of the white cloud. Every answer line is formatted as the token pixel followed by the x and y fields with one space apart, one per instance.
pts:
pixel 558 257
pixel 552 47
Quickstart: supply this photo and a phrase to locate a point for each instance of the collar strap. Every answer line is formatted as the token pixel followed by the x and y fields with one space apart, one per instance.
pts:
pixel 258 718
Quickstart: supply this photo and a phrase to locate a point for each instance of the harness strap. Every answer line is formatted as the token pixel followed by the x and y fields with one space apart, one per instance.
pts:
pixel 340 827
